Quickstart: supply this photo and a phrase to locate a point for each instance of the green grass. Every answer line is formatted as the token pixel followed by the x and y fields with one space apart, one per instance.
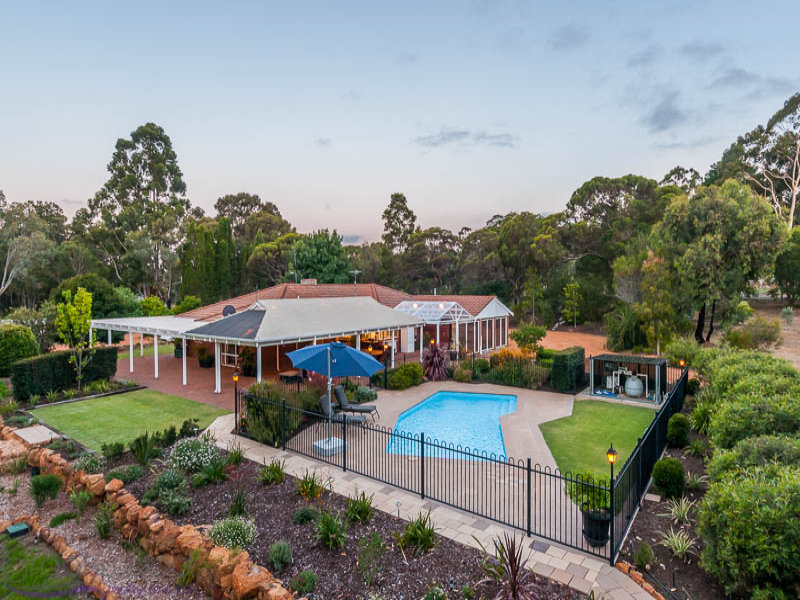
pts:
pixel 579 442
pixel 123 417
pixel 148 351
pixel 34 569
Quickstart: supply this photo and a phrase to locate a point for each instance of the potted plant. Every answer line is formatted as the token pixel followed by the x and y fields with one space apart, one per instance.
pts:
pixel 247 361
pixel 204 357
pixel 592 497
pixel 454 348
pixel 177 349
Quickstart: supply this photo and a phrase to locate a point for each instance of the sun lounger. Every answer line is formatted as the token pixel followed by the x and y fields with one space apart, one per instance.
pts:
pixel 346 406
pixel 338 417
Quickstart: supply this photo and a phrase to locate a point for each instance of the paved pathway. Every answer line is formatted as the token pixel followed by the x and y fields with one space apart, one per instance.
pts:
pixel 581 572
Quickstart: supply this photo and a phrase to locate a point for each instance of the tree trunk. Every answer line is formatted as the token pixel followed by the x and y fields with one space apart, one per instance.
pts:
pixel 711 323
pixel 701 324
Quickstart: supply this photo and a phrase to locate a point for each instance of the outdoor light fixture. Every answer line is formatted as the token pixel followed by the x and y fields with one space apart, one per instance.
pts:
pixel 682 363
pixel 433 341
pixel 611 455
pixel 236 400
pixel 441 305
pixel 235 376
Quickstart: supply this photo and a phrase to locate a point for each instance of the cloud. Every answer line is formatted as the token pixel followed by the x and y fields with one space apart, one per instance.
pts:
pixel 700 50
pixel 734 78
pixel 568 37
pixel 689 144
pixel 645 56
pixel 351 95
pixel 465 137
pixel 323 141
pixel 350 240
pixel 665 114
pixel 406 58
pixel 754 84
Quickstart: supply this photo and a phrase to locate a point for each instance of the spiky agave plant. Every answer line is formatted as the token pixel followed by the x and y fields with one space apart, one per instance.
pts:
pixel 506 568
pixel 434 361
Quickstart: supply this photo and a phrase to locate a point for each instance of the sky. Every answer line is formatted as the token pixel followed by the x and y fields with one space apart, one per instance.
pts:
pixel 470 108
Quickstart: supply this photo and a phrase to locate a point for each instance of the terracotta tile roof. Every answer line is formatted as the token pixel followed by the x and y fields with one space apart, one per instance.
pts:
pixel 472 304
pixel 385 295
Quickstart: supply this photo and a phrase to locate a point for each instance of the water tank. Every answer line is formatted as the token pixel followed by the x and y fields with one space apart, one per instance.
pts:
pixel 634 387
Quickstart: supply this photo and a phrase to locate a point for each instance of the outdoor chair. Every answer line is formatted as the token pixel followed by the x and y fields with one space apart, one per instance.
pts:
pixel 338 417
pixel 346 406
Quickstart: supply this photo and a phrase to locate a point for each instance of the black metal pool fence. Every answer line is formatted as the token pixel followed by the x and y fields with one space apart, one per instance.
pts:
pixel 516 493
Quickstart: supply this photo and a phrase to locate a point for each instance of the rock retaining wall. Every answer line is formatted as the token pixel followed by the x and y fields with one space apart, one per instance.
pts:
pixel 228 574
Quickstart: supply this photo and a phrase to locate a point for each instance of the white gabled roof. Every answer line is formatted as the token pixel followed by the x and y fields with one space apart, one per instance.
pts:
pixel 433 312
pixel 166 326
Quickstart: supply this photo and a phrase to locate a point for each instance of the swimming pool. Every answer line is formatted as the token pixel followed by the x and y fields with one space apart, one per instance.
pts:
pixel 458 418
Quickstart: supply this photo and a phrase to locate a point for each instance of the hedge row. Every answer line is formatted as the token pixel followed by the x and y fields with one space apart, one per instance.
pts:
pixel 402 377
pixel 16 342
pixel 54 372
pixel 568 372
pixel 750 516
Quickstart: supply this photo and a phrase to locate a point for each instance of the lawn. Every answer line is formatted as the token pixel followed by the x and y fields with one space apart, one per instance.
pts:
pixel 579 442
pixel 123 417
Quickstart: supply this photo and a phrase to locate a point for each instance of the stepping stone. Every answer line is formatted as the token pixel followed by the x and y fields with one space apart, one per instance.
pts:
pixel 652 497
pixel 37 435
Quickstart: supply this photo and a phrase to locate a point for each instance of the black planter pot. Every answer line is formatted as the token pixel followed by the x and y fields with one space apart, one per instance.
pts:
pixel 206 363
pixel 249 370
pixel 178 352
pixel 453 355
pixel 595 527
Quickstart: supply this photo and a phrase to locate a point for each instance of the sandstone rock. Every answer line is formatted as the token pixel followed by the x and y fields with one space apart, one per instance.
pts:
pixel 133 513
pixel 127 531
pixel 167 560
pixel 4 525
pixel 624 567
pixel 166 539
pixel 96 484
pixel 273 591
pixel 114 485
pixel 636 576
pixel 246 578
pixel 125 499
pixel 188 540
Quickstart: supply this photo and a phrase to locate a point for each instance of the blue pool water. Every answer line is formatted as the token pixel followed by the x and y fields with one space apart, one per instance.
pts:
pixel 457 418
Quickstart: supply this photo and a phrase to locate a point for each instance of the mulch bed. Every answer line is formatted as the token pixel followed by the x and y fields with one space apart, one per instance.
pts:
pixel 685 578
pixel 272 508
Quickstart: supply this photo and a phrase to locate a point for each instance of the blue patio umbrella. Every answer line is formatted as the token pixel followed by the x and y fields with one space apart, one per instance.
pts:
pixel 334 359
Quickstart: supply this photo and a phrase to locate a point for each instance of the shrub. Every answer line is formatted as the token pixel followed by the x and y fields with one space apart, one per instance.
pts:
pixel 167 437
pixel 755 452
pixel 234 532
pixel 749 417
pixel 701 416
pixel 304 514
pixel 371 550
pixel 435 593
pixel 194 454
pixel 588 492
pixel 304 582
pixel 310 486
pixel 238 504
pixel 359 509
pixel 280 556
pixel 682 349
pixel 434 362
pixel 568 371
pixel 16 343
pixel 7 407
pixel 668 477
pixel 331 531
pixel 45 487
pixel 463 375
pixel 678 431
pixel 756 333
pixel 90 462
pixel 679 510
pixel 4 391
pixel 751 529
pixel 102 520
pixel 144 448
pixel 272 473
pixel 404 376
pixel 174 502
pixel 191 567
pixel 81 500
pixel 211 473
pixel 126 474
pixel 693 386
pixel 62 518
pixel 480 367
pixel 419 534
pixel 644 556
pixel 42 374
pixel 365 394
pixel 113 450
pixel 680 543
pixel 694 482
pixel 235 455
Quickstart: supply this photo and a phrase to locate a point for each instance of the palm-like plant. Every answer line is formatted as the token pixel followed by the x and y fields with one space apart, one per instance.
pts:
pixel 506 568
pixel 434 361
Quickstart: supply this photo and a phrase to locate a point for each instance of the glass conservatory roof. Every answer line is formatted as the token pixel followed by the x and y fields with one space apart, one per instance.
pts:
pixel 435 312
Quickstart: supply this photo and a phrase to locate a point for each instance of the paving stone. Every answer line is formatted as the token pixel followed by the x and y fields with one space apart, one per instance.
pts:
pixel 592 563
pixel 36 435
pixel 542 569
pixel 559 563
pixel 540 546
pixel 561 576
pixel 557 552
pixel 581 585
pixel 577 570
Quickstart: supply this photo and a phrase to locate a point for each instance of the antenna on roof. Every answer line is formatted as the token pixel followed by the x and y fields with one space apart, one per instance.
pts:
pixel 355 273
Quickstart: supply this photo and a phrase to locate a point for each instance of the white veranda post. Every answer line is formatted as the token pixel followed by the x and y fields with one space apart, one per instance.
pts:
pixel 155 356
pixel 393 343
pixel 421 339
pixel 183 358
pixel 258 363
pixel 141 345
pixel 130 352
pixel 109 337
pixel 217 370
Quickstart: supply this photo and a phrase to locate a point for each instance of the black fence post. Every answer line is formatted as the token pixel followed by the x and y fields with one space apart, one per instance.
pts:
pixel 529 496
pixel 283 424
pixel 344 444
pixel 422 465
pixel 613 544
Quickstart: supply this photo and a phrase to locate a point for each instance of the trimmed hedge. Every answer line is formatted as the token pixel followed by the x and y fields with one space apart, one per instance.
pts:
pixel 402 377
pixel 755 452
pixel 16 342
pixel 752 416
pixel 678 431
pixel 53 372
pixel 568 372
pixel 751 528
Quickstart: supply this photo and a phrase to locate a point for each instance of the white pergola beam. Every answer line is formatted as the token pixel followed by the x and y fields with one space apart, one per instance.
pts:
pixel 155 356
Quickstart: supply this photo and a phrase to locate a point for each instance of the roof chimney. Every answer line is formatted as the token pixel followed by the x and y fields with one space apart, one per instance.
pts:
pixel 308 282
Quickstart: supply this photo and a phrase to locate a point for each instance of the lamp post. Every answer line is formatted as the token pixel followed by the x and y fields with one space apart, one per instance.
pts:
pixel 236 399
pixel 611 456
pixel 385 366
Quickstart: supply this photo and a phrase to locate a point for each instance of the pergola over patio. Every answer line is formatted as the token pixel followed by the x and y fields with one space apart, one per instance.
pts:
pixel 446 312
pixel 272 323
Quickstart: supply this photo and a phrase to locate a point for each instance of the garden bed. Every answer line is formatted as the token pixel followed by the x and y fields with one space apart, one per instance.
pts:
pixel 272 507
pixel 686 578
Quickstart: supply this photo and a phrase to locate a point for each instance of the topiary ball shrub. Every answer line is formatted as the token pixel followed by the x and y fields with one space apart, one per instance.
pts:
pixel 234 532
pixel 463 375
pixel 16 342
pixel 669 478
pixel 693 386
pixel 678 431
pixel 644 556
pixel 751 528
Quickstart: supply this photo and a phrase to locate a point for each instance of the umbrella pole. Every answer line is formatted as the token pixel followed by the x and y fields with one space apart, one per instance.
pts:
pixel 330 406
